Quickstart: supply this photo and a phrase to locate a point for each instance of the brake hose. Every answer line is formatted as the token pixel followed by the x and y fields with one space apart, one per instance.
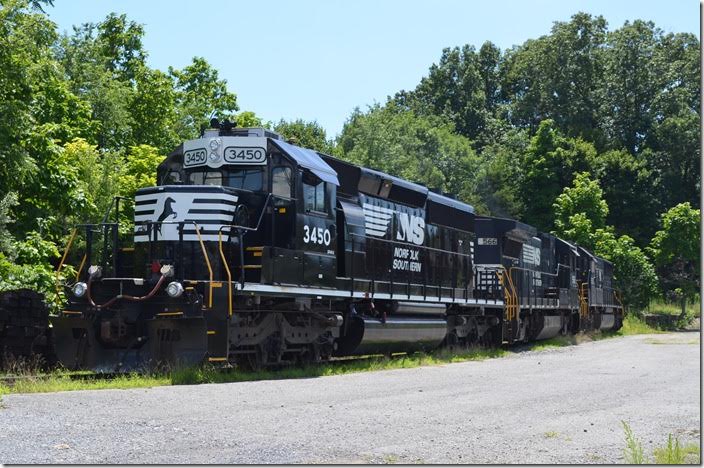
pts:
pixel 125 296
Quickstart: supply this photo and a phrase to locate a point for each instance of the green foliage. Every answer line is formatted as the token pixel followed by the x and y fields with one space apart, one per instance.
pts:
pixel 551 163
pixel 499 174
pixel 416 148
pixel 675 250
pixel 307 134
pixel 583 200
pixel 200 95
pixel 249 119
pixel 629 189
pixel 634 275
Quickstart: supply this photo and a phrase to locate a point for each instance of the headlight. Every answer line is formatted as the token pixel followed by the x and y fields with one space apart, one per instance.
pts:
pixel 174 289
pixel 214 144
pixel 79 289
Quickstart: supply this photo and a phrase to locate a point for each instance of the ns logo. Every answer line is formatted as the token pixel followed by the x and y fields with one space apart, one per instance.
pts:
pixel 410 229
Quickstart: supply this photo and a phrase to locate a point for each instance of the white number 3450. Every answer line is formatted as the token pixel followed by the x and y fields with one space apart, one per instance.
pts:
pixel 316 235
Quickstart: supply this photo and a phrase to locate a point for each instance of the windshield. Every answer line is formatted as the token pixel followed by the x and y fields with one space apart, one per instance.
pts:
pixel 245 178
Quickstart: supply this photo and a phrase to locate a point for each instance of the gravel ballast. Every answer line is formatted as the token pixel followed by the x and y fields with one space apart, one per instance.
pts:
pixel 561 405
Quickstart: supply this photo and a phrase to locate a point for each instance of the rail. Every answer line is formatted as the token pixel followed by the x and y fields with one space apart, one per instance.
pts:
pixel 241 230
pixel 583 299
pixel 57 283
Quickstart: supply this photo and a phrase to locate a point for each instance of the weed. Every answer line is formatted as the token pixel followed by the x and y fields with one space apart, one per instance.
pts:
pixel 675 454
pixel 633 453
pixel 671 454
pixel 551 435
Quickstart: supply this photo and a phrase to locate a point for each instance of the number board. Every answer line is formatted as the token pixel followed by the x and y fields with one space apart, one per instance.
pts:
pixel 245 155
pixel 195 157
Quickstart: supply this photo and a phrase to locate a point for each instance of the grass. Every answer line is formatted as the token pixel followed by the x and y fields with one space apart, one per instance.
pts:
pixel 552 343
pixel 672 453
pixel 63 381
pixel 29 379
pixel 634 325
pixel 668 308
pixel 551 434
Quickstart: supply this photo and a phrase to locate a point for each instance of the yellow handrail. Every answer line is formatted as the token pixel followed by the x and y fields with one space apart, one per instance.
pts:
pixel 511 299
pixel 514 291
pixel 80 268
pixel 583 304
pixel 207 262
pixel 63 259
pixel 229 274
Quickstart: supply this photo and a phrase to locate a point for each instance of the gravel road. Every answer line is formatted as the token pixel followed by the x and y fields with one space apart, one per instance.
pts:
pixel 562 405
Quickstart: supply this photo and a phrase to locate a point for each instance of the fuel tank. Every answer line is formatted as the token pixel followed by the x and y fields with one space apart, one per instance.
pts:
pixel 551 327
pixel 398 334
pixel 607 321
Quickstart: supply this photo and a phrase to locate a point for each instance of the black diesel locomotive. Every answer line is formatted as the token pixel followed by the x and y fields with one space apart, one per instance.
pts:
pixel 254 251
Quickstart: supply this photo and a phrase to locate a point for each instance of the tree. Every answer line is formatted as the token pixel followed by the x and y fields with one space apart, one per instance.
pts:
pixel 307 134
pixel 25 40
pixel 501 168
pixel 580 209
pixel 200 95
pixel 416 148
pixel 630 190
pixel 455 89
pixel 550 164
pixel 675 250
pixel 153 110
pixel 558 77
pixel 631 84
pixel 634 275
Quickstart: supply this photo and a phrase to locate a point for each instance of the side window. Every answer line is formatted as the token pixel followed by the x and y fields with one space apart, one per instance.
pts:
pixel 173 177
pixel 314 198
pixel 281 182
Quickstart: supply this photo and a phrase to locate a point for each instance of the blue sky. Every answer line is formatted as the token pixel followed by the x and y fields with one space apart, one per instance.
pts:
pixel 318 60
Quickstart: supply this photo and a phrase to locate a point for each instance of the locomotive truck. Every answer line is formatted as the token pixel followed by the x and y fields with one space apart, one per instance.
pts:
pixel 253 251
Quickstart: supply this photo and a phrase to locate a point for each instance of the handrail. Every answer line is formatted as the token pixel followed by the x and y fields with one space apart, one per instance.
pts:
pixel 583 304
pixel 80 267
pixel 150 225
pixel 222 252
pixel 229 275
pixel 514 292
pixel 61 263
pixel 511 299
pixel 207 262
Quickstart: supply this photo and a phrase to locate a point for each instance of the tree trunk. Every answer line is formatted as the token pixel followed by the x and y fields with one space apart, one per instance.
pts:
pixel 684 307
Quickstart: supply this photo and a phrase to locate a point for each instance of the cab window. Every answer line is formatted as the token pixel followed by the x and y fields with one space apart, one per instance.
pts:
pixel 281 182
pixel 246 178
pixel 205 178
pixel 314 198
